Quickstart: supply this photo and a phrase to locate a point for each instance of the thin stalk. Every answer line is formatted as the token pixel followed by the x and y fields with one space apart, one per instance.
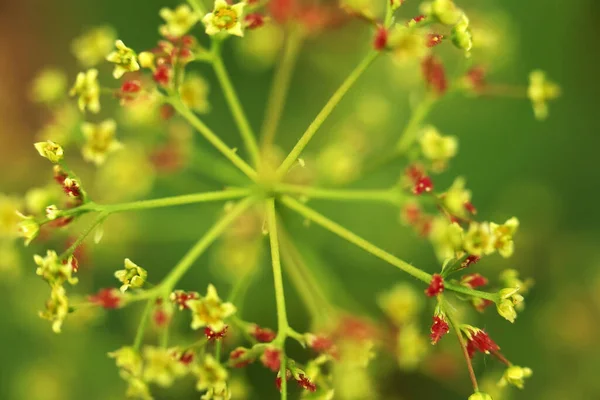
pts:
pixel 351 237
pixel 235 105
pixel 282 321
pixel 283 374
pixel 99 219
pixel 139 335
pixel 209 135
pixel 203 243
pixel 218 347
pixel 385 195
pixel 325 112
pixel 463 345
pixel 197 6
pixel 410 132
pixel 228 194
pixel 280 87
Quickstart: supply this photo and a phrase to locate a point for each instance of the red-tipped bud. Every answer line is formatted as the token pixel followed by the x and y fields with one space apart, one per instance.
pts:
pixel 263 335
pixel 162 75
pixel 423 185
pixel 212 335
pixel 473 280
pixel 470 260
pixel 433 39
pixel 305 383
pixel 239 357
pixel 478 340
pixel 438 329
pixel 470 208
pixel 436 286
pixel 106 298
pixel 254 20
pixel 434 75
pixel 271 359
pixel 132 86
pixel 381 38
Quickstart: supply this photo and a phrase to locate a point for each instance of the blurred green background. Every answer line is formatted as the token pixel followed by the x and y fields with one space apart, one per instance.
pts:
pixel 545 173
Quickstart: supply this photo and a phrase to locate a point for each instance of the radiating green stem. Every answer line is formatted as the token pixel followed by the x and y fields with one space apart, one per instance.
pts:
pixel 325 112
pixel 235 105
pixel 280 87
pixel 139 335
pixel 411 131
pixel 376 251
pixel 209 135
pixel 385 195
pixel 198 6
pixel 99 219
pixel 228 194
pixel 203 243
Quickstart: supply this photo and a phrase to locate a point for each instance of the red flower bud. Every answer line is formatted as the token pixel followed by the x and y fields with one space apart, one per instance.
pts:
pixel 434 75
pixel 381 38
pixel 436 286
pixel 254 20
pixel 106 298
pixel 263 335
pixel 438 329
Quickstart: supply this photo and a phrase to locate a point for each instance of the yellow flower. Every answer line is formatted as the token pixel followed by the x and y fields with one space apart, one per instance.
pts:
pixel 146 59
pixel 100 141
pixel 161 367
pixel 509 298
pixel 94 45
pixel 132 276
pixel 436 147
pixel 515 375
pixel 57 308
pixel 503 236
pixel 225 18
pixel 447 238
pixel 412 347
pixel 445 11
pixel 87 88
pixel 128 360
pixel 541 91
pixel 407 44
pixel 480 396
pixel 178 21
pixel 456 197
pixel 478 239
pixel 210 311
pixel 461 35
pixel 28 228
pixel 211 375
pixel 510 278
pixel 50 150
pixel 194 93
pixel 53 271
pixel 402 304
pixel 49 86
pixel 124 58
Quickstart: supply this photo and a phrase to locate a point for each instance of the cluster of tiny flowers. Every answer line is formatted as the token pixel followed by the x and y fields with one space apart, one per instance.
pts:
pixel 153 86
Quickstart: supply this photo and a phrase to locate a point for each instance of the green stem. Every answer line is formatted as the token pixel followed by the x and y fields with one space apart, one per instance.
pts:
pixel 203 243
pixel 228 194
pixel 218 346
pixel 99 219
pixel 283 374
pixel 461 340
pixel 376 251
pixel 209 135
pixel 386 195
pixel 280 87
pixel 197 6
pixel 410 132
pixel 233 101
pixel 325 112
pixel 282 321
pixel 216 168
pixel 139 335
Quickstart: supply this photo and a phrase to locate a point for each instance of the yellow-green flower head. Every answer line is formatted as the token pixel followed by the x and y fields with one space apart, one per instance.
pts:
pixel 225 18
pixel 57 308
pixel 402 304
pixel 128 359
pixel 219 392
pixel 49 86
pixel 510 278
pixel 447 237
pixel 456 197
pixel 50 150
pixel 9 219
pixel 541 91
pixel 480 396
pixel 194 93
pixel 28 228
pixel 100 141
pixel 211 375
pixel 445 11
pixel 146 59
pixel 178 21
pixel 210 311
pixel 88 91
pixel 161 367
pixel 412 347
pixel 436 147
pixel 137 389
pixel 461 34
pixel 503 236
pixel 133 276
pixel 52 212
pixel 407 44
pixel 92 47
pixel 509 299
pixel 478 239
pixel 53 270
pixel 124 58
pixel 515 375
